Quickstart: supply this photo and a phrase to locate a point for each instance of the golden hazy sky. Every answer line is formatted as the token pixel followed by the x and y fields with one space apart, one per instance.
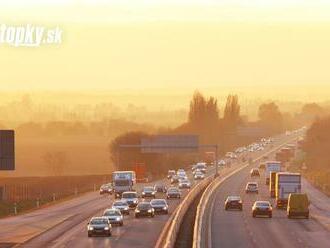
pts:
pixel 248 46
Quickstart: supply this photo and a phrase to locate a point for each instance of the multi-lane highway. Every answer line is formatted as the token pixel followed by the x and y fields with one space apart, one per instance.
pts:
pixel 240 229
pixel 64 225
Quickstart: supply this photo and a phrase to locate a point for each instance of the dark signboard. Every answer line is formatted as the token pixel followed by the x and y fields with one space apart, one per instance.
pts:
pixel 7 150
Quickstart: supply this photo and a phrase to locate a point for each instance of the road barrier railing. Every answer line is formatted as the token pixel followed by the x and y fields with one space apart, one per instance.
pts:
pixel 171 229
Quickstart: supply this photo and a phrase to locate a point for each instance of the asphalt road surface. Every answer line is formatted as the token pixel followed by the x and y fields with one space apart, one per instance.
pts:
pixel 240 229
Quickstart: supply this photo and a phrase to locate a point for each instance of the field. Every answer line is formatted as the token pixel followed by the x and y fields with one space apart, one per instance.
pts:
pixel 79 155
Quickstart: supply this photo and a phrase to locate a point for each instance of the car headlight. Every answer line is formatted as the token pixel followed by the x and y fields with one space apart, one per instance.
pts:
pixel 137 211
pixel 135 201
pixel 125 208
pixel 164 208
pixel 90 228
pixel 106 228
pixel 150 211
pixel 153 193
pixel 143 193
pixel 118 218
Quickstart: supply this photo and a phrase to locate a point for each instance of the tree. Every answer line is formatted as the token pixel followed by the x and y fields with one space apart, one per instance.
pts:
pixel 271 117
pixel 312 110
pixel 232 112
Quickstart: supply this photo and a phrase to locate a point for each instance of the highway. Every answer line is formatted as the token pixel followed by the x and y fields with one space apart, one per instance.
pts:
pixel 64 224
pixel 240 229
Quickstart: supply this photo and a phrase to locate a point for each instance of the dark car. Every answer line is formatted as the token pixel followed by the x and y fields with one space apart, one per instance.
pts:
pixel 262 208
pixel 99 226
pixel 144 209
pixel 106 189
pixel 131 198
pixel 160 188
pixel 159 205
pixel 233 202
pixel 122 206
pixel 114 216
pixel 173 192
pixel 254 172
pixel 148 191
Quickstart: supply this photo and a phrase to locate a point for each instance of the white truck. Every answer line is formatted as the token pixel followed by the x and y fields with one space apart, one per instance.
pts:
pixel 271 166
pixel 285 184
pixel 123 181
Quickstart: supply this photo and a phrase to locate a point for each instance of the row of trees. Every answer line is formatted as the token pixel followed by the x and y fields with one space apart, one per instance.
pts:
pixel 204 119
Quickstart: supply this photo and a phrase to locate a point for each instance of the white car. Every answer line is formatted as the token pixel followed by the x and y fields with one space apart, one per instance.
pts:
pixel 184 184
pixel 199 175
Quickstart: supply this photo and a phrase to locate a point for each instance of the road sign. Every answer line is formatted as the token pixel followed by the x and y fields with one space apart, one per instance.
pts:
pixel 7 150
pixel 170 144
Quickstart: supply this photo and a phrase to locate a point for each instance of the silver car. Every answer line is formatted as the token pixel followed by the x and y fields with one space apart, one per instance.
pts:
pixel 114 216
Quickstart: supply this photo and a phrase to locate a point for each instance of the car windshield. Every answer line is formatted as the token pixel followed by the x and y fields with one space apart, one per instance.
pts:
pixel 184 181
pixel 144 206
pixel 262 204
pixel 148 189
pixel 252 185
pixel 173 190
pixel 158 202
pixel 99 221
pixel 129 195
pixel 234 198
pixel 122 183
pixel 111 213
pixel 119 204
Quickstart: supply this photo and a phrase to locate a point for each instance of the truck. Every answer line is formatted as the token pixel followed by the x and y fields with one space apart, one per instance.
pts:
pixel 271 166
pixel 286 183
pixel 272 180
pixel 123 181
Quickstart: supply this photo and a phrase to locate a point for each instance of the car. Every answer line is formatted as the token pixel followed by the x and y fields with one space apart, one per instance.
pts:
pixel 99 226
pixel 251 187
pixel 173 192
pixel 174 179
pixel 201 167
pixel 159 205
pixel 184 184
pixel 144 209
pixel 122 206
pixel 199 175
pixel 131 198
pixel 298 205
pixel 262 208
pixel 114 216
pixel 148 191
pixel 160 188
pixel 170 173
pixel 233 202
pixel 222 162
pixel 106 189
pixel 254 172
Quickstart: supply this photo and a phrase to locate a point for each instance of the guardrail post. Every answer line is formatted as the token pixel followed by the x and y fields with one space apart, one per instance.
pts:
pixel 15 208
pixel 38 203
pixel 54 198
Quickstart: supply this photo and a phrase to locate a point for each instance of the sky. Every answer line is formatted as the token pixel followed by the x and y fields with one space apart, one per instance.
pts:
pixel 260 48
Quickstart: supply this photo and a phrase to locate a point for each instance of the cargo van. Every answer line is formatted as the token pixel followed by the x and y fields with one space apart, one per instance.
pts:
pixel 298 205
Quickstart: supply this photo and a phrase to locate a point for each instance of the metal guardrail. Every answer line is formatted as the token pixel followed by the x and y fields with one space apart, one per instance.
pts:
pixel 201 238
pixel 170 231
